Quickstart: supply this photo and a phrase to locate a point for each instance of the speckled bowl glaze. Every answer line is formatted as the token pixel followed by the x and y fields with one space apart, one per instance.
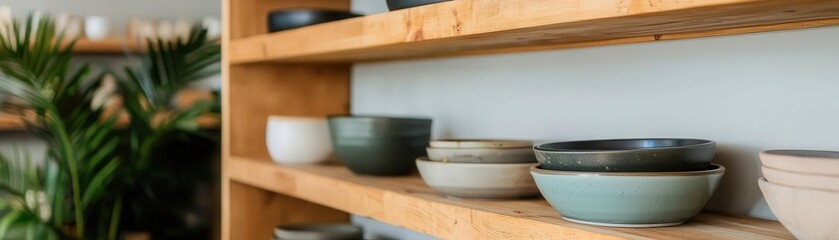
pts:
pixel 380 146
pixel 631 199
pixel 627 155
pixel 479 180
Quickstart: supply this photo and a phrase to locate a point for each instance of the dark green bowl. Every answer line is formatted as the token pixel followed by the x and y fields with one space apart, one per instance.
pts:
pixel 380 146
pixel 627 155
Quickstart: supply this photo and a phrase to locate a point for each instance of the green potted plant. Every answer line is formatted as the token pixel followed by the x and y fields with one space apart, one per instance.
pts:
pixel 92 169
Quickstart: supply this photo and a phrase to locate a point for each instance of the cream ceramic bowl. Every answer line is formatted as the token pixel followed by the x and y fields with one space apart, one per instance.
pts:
pixel 479 143
pixel 482 181
pixel 806 213
pixel 298 140
pixel 482 155
pixel 802 161
pixel 795 179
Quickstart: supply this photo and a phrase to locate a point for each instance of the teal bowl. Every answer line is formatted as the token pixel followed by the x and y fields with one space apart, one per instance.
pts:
pixel 628 199
pixel 379 146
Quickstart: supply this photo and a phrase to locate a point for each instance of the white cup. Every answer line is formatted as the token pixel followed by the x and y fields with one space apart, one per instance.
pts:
pixel 298 140
pixel 96 27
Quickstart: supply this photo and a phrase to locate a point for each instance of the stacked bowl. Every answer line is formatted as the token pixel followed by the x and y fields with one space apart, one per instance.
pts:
pixel 627 182
pixel 479 169
pixel 802 189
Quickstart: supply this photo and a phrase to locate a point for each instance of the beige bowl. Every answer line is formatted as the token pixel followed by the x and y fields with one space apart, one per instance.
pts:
pixel 794 179
pixel 479 180
pixel 482 155
pixel 802 161
pixel 806 213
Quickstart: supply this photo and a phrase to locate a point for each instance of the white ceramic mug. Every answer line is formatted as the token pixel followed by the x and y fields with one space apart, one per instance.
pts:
pixel 96 27
pixel 298 140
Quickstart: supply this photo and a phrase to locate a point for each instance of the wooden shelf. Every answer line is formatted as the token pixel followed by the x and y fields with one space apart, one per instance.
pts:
pixel 105 46
pixel 465 27
pixel 408 202
pixel 9 122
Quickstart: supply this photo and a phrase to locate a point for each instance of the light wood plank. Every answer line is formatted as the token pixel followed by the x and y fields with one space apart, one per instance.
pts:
pixel 408 202
pixel 485 26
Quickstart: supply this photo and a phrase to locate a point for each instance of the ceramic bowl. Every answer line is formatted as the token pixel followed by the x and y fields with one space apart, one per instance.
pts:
pixel 627 155
pixel 794 179
pixel 479 143
pixel 294 18
pixel 481 181
pixel 319 232
pixel 394 5
pixel 806 213
pixel 481 155
pixel 298 140
pixel 630 199
pixel 802 161
pixel 381 146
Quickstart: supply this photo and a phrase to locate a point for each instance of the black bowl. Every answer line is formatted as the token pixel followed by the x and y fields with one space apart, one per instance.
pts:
pixel 294 18
pixel 394 5
pixel 627 155
pixel 380 146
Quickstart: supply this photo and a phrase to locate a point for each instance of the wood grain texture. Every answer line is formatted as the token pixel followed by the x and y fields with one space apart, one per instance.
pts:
pixel 409 203
pixel 490 26
pixel 256 212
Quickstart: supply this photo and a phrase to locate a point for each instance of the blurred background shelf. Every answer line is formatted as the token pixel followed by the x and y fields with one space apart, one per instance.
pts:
pixel 408 202
pixel 10 122
pixel 497 26
pixel 105 46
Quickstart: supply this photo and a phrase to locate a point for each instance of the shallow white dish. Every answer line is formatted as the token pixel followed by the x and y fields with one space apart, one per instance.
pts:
pixel 806 213
pixel 479 143
pixel 804 180
pixel 802 161
pixel 298 140
pixel 482 181
pixel 482 155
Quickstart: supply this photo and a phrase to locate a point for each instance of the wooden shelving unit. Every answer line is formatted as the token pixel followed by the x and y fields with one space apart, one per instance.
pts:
pixel 306 72
pixel 408 202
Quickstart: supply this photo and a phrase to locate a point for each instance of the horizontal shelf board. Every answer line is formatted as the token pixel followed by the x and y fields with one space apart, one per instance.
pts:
pixel 408 202
pixel 465 27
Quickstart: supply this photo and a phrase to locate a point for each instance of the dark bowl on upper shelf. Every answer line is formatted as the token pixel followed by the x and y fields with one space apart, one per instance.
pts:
pixel 294 18
pixel 627 155
pixel 394 5
pixel 380 146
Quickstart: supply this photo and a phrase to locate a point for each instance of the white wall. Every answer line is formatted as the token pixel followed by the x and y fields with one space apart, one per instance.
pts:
pixel 748 92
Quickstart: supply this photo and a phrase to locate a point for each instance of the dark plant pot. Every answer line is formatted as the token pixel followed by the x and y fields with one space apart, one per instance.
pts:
pixel 378 145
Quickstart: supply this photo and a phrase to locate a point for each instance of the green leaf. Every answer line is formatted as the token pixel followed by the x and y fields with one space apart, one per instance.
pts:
pixel 7 221
pixel 96 187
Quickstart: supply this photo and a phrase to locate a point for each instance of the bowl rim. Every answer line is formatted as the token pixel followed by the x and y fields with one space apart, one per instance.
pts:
pixel 791 153
pixel 763 180
pixel 718 170
pixel 540 148
pixel 374 117
pixel 426 160
pixel 308 118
